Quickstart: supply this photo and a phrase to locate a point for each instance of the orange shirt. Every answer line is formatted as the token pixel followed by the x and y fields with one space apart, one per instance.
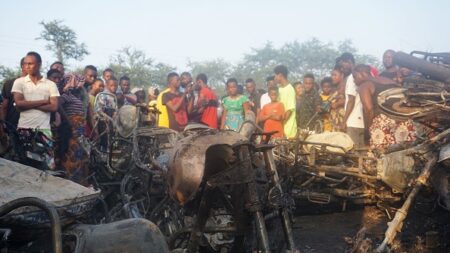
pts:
pixel 270 124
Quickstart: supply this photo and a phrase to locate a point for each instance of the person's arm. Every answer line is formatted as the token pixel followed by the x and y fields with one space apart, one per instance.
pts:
pixel 348 110
pixel 202 102
pixel 246 107
pixel 4 109
pixel 262 117
pixel 23 105
pixel 190 107
pixel 176 106
pixel 286 116
pixel 222 120
pixel 131 99
pixel 367 103
pixel 51 107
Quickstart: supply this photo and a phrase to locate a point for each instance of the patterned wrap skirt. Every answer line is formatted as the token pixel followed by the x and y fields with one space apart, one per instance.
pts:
pixel 75 160
pixel 385 131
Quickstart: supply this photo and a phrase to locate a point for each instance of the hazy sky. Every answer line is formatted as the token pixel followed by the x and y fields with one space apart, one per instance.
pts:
pixel 175 31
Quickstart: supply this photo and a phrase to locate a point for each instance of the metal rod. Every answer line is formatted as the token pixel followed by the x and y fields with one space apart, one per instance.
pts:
pixel 49 209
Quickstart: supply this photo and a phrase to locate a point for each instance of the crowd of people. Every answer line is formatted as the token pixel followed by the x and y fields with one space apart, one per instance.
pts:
pixel 61 105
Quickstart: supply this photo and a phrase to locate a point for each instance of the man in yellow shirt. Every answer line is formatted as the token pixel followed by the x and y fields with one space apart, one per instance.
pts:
pixel 163 119
pixel 286 94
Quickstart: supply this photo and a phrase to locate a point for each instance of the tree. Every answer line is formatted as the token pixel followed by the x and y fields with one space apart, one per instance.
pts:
pixel 62 41
pixel 141 69
pixel 8 73
pixel 217 70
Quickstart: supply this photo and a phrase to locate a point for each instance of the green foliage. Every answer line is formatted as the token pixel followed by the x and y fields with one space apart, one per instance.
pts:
pixel 8 73
pixel 311 56
pixel 141 69
pixel 217 70
pixel 62 41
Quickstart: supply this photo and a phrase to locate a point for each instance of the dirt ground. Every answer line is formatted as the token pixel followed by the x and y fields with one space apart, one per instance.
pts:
pixel 335 232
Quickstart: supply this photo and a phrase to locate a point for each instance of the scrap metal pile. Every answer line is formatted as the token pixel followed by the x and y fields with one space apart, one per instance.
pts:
pixel 207 190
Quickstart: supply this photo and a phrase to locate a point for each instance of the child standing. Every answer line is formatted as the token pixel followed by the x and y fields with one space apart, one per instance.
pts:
pixel 272 114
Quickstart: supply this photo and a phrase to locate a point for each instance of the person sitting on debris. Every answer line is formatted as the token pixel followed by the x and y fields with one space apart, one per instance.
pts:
pixel 176 103
pixel 383 130
pixel 272 114
pixel 235 105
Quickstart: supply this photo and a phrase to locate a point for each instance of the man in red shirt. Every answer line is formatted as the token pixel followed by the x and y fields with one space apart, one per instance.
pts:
pixel 207 102
pixel 176 103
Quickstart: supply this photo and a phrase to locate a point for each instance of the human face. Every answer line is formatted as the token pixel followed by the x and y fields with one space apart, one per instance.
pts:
pixel 232 89
pixel 89 76
pixel 336 77
pixel 97 87
pixel 185 80
pixel 299 89
pixel 326 88
pixel 346 67
pixel 359 77
pixel 250 87
pixel 388 59
pixel 308 83
pixel 125 85
pixel 107 75
pixel 112 86
pixel 31 65
pixel 273 95
pixel 278 78
pixel 55 77
pixel 175 82
pixel 271 84
pixel 59 67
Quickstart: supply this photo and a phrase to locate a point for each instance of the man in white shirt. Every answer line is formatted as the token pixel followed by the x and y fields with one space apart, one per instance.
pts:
pixel 353 118
pixel 35 96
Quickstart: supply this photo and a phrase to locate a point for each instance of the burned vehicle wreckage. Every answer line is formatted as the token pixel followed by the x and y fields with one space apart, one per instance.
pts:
pixel 208 190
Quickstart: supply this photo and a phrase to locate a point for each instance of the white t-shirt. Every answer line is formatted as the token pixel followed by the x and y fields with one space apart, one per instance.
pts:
pixel 265 99
pixel 43 89
pixel 355 118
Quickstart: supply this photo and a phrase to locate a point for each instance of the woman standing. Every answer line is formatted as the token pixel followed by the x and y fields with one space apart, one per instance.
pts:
pixel 337 110
pixel 234 107
pixel 71 101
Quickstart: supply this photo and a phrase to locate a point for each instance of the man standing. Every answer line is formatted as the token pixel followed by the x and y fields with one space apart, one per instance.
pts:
pixel 35 96
pixel 125 86
pixel 353 123
pixel 253 95
pixel 309 103
pixel 163 118
pixel 265 99
pixel 287 97
pixel 207 102
pixel 176 103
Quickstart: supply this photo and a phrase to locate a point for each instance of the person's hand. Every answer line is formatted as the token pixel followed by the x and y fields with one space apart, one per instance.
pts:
pixel 343 127
pixel 333 105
